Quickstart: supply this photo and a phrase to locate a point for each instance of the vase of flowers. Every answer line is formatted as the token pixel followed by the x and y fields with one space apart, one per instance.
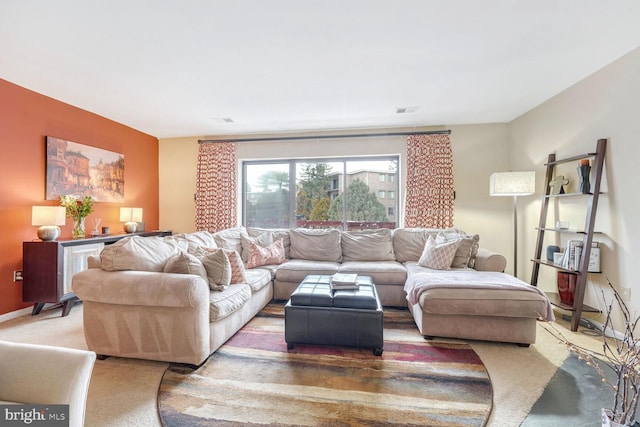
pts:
pixel 620 353
pixel 77 209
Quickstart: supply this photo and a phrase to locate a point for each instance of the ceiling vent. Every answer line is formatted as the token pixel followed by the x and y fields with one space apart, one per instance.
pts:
pixel 404 110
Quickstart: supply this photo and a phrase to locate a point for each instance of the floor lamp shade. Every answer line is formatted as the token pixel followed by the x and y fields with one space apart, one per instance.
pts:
pixel 48 218
pixel 513 184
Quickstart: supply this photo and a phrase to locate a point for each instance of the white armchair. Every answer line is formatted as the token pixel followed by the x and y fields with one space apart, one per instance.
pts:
pixel 41 375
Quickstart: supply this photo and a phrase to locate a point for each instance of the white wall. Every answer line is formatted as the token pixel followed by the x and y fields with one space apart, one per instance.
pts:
pixel 604 105
pixel 478 150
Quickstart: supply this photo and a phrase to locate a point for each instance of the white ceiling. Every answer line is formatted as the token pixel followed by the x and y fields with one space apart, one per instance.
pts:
pixel 176 68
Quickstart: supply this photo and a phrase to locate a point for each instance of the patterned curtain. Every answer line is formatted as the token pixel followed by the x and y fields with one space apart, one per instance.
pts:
pixel 429 199
pixel 216 193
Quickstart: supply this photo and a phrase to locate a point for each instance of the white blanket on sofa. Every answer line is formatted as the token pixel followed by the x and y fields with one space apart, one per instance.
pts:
pixel 418 283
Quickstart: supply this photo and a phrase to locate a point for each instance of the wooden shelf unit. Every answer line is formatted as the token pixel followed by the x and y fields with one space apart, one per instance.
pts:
pixel 587 233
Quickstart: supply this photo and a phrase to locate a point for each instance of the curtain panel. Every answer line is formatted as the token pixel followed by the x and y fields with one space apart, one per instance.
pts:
pixel 216 195
pixel 429 195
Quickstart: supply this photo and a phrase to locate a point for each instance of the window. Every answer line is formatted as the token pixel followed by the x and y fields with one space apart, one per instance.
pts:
pixel 390 211
pixel 317 192
pixel 381 177
pixel 391 194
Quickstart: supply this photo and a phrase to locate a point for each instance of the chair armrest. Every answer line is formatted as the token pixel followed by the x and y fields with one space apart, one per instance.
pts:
pixel 145 288
pixel 487 260
pixel 44 375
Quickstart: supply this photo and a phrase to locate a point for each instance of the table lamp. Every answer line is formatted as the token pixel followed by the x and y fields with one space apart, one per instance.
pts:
pixel 48 218
pixel 130 217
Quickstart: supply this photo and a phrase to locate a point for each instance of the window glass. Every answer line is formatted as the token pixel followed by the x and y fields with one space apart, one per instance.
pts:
pixel 347 193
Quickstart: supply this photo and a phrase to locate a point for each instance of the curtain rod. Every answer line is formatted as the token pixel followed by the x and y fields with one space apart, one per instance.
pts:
pixel 355 135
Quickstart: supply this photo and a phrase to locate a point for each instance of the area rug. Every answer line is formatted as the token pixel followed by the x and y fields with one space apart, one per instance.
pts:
pixel 254 380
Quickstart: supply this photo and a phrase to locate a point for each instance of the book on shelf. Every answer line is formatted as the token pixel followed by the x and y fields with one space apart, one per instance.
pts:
pixel 572 252
pixel 344 281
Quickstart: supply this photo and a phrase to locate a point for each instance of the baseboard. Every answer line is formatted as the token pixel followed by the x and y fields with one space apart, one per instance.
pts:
pixel 15 314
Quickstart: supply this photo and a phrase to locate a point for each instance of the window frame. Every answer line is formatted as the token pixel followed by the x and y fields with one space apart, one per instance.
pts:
pixel 294 162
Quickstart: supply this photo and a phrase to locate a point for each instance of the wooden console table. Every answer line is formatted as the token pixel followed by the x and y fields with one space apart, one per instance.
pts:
pixel 48 267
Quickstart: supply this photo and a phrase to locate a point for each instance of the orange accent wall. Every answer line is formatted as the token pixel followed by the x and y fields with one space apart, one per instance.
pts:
pixel 26 118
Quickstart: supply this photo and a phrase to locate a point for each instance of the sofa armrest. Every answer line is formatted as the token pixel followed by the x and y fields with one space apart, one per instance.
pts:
pixel 487 260
pixel 143 288
pixel 44 375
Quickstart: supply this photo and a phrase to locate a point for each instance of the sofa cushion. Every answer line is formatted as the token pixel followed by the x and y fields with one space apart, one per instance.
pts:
pixel 185 263
pixel 317 245
pixel 258 278
pixel 272 254
pixel 139 253
pixel 195 240
pixel 295 270
pixel 226 302
pixel 438 253
pixel 231 238
pixel 382 272
pixel 367 245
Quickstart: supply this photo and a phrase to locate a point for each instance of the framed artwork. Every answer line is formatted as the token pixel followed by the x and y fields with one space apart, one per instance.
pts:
pixel 82 170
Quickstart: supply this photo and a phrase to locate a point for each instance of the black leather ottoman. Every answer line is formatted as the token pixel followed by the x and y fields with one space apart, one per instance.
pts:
pixel 315 314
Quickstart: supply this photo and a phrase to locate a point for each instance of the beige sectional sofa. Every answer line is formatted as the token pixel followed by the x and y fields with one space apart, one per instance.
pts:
pixel 172 298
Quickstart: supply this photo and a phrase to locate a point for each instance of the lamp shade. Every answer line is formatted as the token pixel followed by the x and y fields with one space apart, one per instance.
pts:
pixel 512 183
pixel 48 215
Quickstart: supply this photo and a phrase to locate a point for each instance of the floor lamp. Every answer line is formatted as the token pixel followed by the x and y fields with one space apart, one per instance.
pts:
pixel 513 184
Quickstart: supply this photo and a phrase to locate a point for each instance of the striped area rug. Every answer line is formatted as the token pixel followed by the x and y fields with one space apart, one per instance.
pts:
pixel 253 380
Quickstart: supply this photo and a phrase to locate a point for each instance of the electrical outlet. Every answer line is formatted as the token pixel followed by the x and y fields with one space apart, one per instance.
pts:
pixel 17 275
pixel 625 293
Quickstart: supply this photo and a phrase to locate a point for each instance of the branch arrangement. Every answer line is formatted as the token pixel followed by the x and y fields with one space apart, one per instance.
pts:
pixel 621 355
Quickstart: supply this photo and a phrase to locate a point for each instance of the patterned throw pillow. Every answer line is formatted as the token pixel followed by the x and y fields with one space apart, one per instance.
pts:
pixel 237 266
pixel 438 256
pixel 272 254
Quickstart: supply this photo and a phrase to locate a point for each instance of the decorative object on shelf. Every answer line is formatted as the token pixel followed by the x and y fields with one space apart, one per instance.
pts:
pixel 96 224
pixel 106 230
pixel 77 209
pixel 584 170
pixel 566 287
pixel 551 250
pixel 621 354
pixel 130 217
pixel 48 218
pixel 557 258
pixel 558 184
pixel 513 184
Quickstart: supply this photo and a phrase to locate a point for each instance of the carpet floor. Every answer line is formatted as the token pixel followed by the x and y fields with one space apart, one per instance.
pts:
pixel 253 380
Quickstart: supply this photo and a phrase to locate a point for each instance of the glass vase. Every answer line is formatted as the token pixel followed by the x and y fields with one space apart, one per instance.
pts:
pixel 78 228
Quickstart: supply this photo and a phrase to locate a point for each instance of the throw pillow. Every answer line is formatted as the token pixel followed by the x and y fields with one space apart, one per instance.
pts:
pixel 272 254
pixel 438 255
pixel 218 268
pixel 185 263
pixel 237 267
pixel 262 240
pixel 138 253
pixel 467 247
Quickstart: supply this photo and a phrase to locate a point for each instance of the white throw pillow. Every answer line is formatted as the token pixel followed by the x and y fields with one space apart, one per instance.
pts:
pixel 438 256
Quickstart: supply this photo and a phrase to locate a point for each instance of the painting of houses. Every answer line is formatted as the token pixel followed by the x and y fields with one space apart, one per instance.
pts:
pixel 83 170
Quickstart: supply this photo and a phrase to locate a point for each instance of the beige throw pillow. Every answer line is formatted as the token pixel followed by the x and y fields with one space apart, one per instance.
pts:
pixel 438 255
pixel 272 254
pixel 467 247
pixel 185 263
